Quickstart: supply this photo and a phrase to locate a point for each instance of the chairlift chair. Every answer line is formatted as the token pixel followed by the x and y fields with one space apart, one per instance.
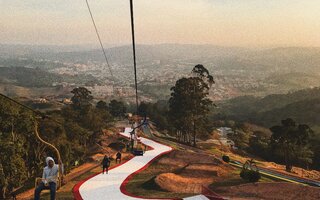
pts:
pixel 59 178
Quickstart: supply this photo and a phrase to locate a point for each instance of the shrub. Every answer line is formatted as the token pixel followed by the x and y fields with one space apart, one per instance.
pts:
pixel 225 158
pixel 250 175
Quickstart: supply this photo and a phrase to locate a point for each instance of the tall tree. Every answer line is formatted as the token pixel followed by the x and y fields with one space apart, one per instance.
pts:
pixel 81 97
pixel 291 141
pixel 189 104
pixel 201 72
pixel 259 144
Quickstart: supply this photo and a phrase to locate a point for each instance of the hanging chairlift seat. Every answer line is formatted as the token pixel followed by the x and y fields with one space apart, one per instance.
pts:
pixel 137 149
pixel 57 180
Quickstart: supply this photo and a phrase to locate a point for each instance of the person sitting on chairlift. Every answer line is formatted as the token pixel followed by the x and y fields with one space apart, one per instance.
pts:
pixel 49 179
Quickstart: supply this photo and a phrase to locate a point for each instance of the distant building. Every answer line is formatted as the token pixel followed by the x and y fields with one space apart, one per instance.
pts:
pixel 41 100
pixel 223 132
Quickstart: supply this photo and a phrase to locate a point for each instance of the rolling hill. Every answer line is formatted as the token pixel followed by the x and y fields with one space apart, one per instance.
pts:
pixel 303 106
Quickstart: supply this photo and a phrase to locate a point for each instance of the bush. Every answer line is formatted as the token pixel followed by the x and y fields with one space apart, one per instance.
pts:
pixel 250 175
pixel 225 158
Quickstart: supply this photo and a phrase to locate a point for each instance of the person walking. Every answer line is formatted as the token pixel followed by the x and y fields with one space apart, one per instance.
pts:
pixel 118 157
pixel 105 164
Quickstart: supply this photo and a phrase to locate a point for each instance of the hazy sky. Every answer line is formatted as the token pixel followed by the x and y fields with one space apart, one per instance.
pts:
pixel 220 22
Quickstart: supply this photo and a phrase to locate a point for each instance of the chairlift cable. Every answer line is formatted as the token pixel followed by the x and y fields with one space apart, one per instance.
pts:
pixel 60 171
pixel 134 54
pixel 101 45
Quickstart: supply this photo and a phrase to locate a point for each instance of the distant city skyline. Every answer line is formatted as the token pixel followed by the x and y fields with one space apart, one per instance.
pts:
pixel 246 23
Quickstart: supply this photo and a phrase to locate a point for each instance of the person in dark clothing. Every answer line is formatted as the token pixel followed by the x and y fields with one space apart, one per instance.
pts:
pixel 105 164
pixel 118 157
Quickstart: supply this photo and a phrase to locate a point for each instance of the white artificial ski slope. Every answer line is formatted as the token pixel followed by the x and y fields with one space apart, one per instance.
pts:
pixel 107 186
pixel 197 197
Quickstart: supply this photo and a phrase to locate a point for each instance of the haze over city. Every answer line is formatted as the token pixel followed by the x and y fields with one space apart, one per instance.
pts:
pixel 249 23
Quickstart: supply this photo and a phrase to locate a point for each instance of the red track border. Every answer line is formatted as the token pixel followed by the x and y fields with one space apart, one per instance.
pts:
pixel 76 192
pixel 75 189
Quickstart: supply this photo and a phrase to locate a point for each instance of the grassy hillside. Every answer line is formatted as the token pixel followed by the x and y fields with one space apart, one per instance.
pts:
pixel 292 81
pixel 303 106
pixel 35 77
pixel 305 111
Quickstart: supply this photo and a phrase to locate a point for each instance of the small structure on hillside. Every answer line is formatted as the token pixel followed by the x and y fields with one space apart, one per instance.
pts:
pixel 223 132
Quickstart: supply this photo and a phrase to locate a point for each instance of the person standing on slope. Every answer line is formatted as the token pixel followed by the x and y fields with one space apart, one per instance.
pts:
pixel 118 157
pixel 105 164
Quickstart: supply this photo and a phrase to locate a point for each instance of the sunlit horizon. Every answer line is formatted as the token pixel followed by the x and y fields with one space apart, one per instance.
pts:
pixel 275 23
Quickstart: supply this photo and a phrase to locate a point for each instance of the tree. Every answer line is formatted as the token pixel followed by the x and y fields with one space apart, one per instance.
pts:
pixel 259 144
pixel 102 105
pixel 117 108
pixel 81 97
pixel 240 138
pixel 291 141
pixel 143 108
pixel 158 112
pixel 315 144
pixel 203 73
pixel 189 104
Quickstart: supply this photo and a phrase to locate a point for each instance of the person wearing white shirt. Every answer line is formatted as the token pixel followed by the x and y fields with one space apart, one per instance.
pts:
pixel 49 179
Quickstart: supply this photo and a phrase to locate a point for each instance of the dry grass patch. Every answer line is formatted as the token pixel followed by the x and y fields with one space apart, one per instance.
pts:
pixel 176 183
pixel 193 170
pixel 273 191
pixel 204 170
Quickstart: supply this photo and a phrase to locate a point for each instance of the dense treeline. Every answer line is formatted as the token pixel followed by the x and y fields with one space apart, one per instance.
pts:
pixel 22 155
pixel 302 106
pixel 158 112
pixel 155 90
pixel 287 142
